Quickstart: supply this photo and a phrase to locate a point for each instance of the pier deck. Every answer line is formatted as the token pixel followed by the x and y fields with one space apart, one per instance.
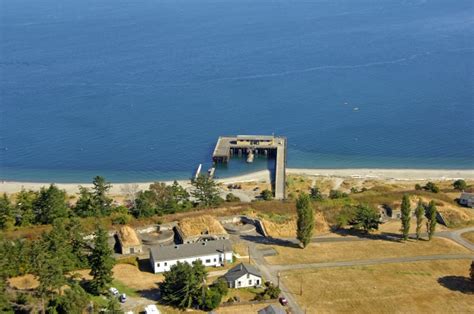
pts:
pixel 227 146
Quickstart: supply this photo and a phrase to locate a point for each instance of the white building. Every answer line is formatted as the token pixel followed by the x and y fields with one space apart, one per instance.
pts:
pixel 243 275
pixel 211 253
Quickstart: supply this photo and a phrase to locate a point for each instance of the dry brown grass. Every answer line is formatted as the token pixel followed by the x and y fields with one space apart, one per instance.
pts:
pixel 25 282
pixel 388 288
pixel 297 184
pixel 197 225
pixel 347 251
pixel 128 236
pixel 469 236
pixel 287 227
pixel 129 275
pixel 241 248
pixel 241 309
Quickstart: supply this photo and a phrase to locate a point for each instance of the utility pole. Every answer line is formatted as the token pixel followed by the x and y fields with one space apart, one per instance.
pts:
pixel 301 285
pixel 278 276
pixel 248 252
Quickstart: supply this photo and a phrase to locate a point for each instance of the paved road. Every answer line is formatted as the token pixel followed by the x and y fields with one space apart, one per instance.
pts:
pixel 267 270
pixel 270 272
pixel 379 261
pixel 455 236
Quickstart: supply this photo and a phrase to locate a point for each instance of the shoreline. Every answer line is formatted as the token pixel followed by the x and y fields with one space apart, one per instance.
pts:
pixel 264 176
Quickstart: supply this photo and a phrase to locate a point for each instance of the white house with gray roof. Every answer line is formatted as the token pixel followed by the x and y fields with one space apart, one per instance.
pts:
pixel 211 253
pixel 242 276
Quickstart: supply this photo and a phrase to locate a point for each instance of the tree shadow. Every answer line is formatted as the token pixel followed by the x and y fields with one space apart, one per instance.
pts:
pixel 152 294
pixel 270 241
pixel 386 236
pixel 457 283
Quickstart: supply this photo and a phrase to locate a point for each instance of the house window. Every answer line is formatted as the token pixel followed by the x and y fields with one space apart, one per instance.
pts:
pixel 132 250
pixel 166 263
pixel 239 283
pixel 157 264
pixel 257 282
pixel 208 261
pixel 250 282
pixel 215 259
pixel 248 275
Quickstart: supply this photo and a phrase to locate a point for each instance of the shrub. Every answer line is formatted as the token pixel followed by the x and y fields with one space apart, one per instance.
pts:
pixel 335 194
pixel 418 187
pixel 266 195
pixel 231 198
pixel 430 186
pixel 120 218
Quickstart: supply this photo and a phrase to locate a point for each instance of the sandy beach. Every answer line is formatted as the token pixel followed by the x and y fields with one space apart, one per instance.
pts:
pixel 264 176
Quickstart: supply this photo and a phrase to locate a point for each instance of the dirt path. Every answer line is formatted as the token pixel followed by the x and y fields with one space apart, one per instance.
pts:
pixel 374 261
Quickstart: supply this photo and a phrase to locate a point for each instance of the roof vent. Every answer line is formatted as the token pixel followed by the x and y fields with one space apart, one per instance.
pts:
pixel 204 243
pixel 176 247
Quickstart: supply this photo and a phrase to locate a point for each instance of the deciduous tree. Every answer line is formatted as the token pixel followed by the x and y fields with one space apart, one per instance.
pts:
pixel 405 216
pixel 366 218
pixel 460 185
pixel 431 213
pixel 419 213
pixel 305 220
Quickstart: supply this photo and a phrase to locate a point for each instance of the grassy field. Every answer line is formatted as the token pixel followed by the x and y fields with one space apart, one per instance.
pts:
pixel 346 251
pixel 469 236
pixel 421 287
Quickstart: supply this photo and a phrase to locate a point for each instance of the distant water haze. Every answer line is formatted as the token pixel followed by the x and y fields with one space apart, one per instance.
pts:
pixel 140 90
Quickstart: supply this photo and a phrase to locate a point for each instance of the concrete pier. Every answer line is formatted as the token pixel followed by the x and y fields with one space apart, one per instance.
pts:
pixel 227 146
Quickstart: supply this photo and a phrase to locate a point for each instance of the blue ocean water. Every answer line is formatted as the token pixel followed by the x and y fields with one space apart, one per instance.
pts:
pixel 140 90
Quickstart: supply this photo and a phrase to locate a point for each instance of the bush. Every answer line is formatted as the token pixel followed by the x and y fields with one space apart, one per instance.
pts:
pixel 120 218
pixel 271 292
pixel 231 198
pixel 430 186
pixel 344 217
pixel 266 195
pixel 418 187
pixel 335 194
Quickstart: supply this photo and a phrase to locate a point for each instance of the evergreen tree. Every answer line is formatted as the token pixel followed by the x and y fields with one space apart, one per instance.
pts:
pixel 50 205
pixel 366 218
pixel 182 286
pixel 419 213
pixel 406 216
pixel 101 200
pixel 101 262
pixel 51 277
pixel 24 207
pixel 431 213
pixel 205 191
pixel 305 222
pixel 85 206
pixel 6 213
pixel 113 306
pixel 74 300
pixel 145 204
